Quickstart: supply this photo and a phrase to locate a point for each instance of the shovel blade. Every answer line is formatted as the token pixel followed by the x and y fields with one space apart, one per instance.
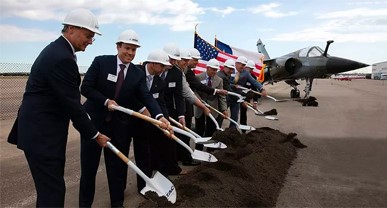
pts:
pixel 202 139
pixel 245 127
pixel 271 117
pixel 203 156
pixel 241 100
pixel 162 186
pixel 217 145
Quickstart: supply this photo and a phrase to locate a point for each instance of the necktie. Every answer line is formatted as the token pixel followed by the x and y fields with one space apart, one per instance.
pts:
pixel 120 80
pixel 209 83
pixel 149 79
pixel 236 79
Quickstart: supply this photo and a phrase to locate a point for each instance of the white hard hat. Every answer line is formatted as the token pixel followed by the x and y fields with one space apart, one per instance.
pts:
pixel 230 63
pixel 213 63
pixel 185 54
pixel 158 56
pixel 194 53
pixel 129 37
pixel 250 64
pixel 172 50
pixel 82 18
pixel 242 60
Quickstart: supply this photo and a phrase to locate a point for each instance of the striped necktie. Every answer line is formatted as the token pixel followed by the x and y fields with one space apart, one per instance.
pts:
pixel 120 80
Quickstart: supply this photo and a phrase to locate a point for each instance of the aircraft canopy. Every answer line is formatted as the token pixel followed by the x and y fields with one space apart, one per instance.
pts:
pixel 312 51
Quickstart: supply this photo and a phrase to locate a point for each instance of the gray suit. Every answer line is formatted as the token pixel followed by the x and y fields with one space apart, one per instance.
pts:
pixel 204 126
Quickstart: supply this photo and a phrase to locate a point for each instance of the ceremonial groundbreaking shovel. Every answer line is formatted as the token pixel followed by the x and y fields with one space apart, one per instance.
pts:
pixel 240 126
pixel 215 122
pixel 260 113
pixel 241 98
pixel 197 154
pixel 245 90
pixel 205 141
pixel 158 183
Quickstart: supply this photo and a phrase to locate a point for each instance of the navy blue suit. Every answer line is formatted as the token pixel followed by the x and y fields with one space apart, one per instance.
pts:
pixel 117 125
pixel 151 146
pixel 50 101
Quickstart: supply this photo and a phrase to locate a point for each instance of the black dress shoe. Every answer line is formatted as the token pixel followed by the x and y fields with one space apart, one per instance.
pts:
pixel 191 163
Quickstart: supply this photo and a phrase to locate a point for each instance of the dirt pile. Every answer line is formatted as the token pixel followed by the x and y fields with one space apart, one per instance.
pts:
pixel 249 173
pixel 310 101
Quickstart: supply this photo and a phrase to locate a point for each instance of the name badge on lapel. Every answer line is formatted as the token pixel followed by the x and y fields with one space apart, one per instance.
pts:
pixel 156 95
pixel 172 84
pixel 203 82
pixel 112 77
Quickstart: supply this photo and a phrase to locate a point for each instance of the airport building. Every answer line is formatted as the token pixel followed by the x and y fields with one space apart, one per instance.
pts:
pixel 379 70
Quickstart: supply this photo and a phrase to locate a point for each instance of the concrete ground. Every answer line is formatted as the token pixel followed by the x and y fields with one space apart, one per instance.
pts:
pixel 344 164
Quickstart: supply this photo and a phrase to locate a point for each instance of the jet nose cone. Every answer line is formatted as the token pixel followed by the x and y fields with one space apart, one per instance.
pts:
pixel 337 65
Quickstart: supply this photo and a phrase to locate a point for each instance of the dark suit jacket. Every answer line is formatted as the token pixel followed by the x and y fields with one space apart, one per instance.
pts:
pixel 158 90
pixel 252 95
pixel 174 92
pixel 97 88
pixel 196 85
pixel 50 100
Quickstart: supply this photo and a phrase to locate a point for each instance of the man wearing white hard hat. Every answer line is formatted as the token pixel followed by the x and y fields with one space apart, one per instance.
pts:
pixel 113 80
pixel 250 66
pixel 225 75
pixel 195 84
pixel 50 101
pixel 204 125
pixel 174 99
pixel 151 146
pixel 241 77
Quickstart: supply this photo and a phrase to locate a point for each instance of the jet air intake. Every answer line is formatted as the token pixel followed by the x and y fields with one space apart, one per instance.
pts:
pixel 291 64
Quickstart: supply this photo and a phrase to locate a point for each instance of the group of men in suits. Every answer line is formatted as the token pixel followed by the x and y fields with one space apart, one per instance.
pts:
pixel 164 86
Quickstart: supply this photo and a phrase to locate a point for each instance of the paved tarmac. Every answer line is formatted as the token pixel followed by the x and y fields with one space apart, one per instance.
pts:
pixel 344 164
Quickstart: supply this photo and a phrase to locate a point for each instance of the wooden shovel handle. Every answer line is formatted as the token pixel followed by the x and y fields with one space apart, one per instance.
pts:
pixel 212 108
pixel 177 123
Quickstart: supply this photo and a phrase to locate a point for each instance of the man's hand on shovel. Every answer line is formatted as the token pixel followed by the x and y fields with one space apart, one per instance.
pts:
pixel 110 104
pixel 102 140
pixel 166 125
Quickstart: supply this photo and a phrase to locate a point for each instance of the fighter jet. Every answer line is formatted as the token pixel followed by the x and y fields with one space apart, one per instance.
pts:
pixel 307 63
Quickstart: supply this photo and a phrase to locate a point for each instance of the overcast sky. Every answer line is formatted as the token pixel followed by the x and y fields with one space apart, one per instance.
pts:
pixel 359 28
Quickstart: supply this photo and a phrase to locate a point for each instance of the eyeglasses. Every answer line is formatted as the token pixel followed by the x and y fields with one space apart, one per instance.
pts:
pixel 89 35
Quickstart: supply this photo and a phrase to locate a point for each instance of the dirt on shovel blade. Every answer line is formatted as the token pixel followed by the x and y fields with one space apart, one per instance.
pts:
pixel 271 112
pixel 249 173
pixel 310 101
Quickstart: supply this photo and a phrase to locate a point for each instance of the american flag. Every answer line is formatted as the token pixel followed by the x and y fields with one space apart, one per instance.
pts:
pixel 207 52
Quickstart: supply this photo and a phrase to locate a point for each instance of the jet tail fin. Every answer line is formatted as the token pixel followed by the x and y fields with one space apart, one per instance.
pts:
pixel 261 49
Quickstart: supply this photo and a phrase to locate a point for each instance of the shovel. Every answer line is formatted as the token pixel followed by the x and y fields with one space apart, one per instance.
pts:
pixel 215 122
pixel 158 183
pixel 198 139
pixel 241 98
pixel 260 113
pixel 245 90
pixel 197 154
pixel 241 127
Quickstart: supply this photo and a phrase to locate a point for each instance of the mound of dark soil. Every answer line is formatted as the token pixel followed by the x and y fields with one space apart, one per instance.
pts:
pixel 249 173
